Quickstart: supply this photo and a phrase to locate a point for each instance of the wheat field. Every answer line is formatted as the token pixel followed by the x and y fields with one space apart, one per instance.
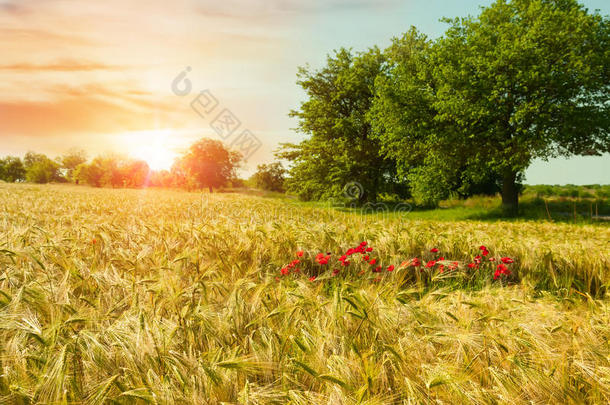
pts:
pixel 156 296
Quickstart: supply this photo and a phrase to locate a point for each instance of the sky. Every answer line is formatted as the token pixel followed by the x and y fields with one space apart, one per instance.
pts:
pixel 148 77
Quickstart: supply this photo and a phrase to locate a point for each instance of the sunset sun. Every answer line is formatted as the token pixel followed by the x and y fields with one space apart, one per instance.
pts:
pixel 154 147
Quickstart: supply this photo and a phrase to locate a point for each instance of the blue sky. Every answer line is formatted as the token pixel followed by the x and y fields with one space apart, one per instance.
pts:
pixel 98 75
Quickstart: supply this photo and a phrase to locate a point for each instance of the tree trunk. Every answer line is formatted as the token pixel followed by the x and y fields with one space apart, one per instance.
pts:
pixel 510 194
pixel 210 188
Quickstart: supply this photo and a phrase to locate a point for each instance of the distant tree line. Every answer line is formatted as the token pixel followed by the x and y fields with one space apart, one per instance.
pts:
pixel 463 114
pixel 206 164
pixel 270 177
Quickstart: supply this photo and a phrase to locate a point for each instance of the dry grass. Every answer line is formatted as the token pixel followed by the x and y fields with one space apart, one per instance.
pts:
pixel 177 302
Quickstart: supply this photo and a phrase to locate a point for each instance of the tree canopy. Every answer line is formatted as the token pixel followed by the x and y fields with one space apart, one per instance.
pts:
pixel 207 163
pixel 12 169
pixel 339 149
pixel 71 160
pixel 40 169
pixel 269 177
pixel 526 79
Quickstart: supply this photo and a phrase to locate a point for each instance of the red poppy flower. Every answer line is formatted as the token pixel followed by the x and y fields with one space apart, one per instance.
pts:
pixel 482 247
pixel 285 271
pixel 363 243
pixel 434 250
pixel 507 260
pixel 471 265
pixel 492 259
pixel 440 259
pixel 416 262
pixel 373 261
pixel 345 263
pixel 300 253
pixel 501 270
pixel 391 267
pixel 377 269
pixel 485 252
pixel 322 259
pixel 93 241
pixel 405 263
pixel 366 258
pixel 312 278
pixel 369 249
pixel 431 263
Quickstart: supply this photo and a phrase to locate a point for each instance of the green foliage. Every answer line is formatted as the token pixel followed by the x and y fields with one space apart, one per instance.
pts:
pixel 40 169
pixel 112 171
pixel 12 169
pixel 339 149
pixel 526 79
pixel 427 187
pixel 207 163
pixel 269 177
pixel 71 160
pixel 590 191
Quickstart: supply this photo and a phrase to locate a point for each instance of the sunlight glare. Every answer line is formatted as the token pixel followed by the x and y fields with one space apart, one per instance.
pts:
pixel 151 146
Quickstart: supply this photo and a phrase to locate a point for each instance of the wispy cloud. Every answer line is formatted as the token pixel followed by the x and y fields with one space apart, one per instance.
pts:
pixel 62 66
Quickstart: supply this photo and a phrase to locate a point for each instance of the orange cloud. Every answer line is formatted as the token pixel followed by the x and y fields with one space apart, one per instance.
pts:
pixel 86 110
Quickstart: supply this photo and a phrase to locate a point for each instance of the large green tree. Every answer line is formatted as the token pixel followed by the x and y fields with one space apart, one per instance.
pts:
pixel 339 149
pixel 525 80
